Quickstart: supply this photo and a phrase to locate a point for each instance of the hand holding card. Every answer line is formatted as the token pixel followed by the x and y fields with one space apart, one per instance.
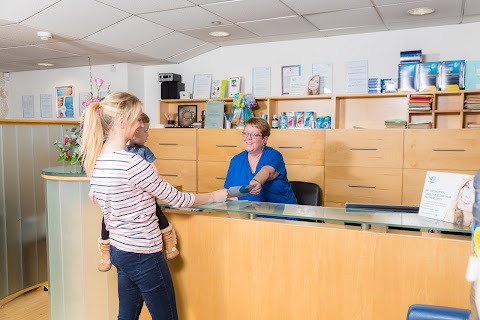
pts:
pixel 240 191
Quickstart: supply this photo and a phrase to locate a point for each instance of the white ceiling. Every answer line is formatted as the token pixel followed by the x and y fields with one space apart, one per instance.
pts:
pixel 151 32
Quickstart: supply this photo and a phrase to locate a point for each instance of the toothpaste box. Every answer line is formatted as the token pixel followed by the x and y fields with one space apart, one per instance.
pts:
pixel 300 118
pixel 291 120
pixel 309 122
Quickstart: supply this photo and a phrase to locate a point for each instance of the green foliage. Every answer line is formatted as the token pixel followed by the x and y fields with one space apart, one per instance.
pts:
pixel 69 148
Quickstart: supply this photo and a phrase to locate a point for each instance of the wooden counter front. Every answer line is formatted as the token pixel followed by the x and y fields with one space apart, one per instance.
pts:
pixel 257 269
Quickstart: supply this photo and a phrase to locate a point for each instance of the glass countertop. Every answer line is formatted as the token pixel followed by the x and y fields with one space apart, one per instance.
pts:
pixel 64 171
pixel 357 216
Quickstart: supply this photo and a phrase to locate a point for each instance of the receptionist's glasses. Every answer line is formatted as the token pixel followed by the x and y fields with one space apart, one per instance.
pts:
pixel 251 135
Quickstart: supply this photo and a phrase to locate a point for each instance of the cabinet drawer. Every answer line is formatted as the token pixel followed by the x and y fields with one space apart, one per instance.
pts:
pixel 364 148
pixel 179 173
pixel 363 185
pixel 180 144
pixel 455 149
pixel 211 175
pixel 413 182
pixel 299 146
pixel 219 144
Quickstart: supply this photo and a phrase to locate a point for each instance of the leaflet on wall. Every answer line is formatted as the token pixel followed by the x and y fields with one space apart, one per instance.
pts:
pixel 46 106
pixel 261 81
pixel 448 197
pixel 298 84
pixel 65 105
pixel 357 77
pixel 27 106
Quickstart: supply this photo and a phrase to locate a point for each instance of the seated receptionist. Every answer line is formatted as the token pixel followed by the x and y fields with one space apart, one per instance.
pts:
pixel 260 165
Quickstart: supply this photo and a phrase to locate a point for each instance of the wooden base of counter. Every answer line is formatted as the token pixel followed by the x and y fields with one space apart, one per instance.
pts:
pixel 257 269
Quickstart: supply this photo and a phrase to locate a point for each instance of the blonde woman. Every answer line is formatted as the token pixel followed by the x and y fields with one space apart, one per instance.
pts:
pixel 125 186
pixel 313 86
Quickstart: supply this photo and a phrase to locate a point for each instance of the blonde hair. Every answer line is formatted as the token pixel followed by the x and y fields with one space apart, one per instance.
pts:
pixel 97 121
pixel 308 91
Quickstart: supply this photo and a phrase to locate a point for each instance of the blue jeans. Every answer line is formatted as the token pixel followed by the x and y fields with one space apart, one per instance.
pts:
pixel 144 277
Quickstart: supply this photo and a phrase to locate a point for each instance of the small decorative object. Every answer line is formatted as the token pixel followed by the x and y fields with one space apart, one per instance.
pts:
pixel 187 115
pixel 70 147
pixel 242 111
pixel 171 118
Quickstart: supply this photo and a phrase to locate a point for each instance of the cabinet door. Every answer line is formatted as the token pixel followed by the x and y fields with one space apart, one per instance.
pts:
pixel 211 175
pixel 299 146
pixel 364 148
pixel 413 182
pixel 179 173
pixel 219 144
pixel 173 143
pixel 363 185
pixel 455 149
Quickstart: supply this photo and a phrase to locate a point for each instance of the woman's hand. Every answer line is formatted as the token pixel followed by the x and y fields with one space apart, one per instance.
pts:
pixel 220 195
pixel 91 196
pixel 258 187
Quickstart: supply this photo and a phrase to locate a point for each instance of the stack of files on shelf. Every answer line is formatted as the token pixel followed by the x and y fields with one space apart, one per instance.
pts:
pixel 374 85
pixel 473 125
pixel 395 123
pixel 420 102
pixel 472 103
pixel 420 125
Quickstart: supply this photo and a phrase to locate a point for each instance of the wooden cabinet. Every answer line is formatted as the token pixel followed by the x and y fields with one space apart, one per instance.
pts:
pixel 442 149
pixel 364 166
pixel 364 148
pixel 370 166
pixel 176 152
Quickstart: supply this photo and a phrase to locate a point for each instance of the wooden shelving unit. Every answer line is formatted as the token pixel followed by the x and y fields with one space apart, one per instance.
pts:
pixel 367 111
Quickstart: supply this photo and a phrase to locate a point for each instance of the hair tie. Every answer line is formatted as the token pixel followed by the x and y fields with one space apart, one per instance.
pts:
pixel 98 109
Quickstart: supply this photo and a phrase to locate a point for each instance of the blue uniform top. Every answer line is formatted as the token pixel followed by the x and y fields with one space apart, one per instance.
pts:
pixel 277 190
pixel 142 151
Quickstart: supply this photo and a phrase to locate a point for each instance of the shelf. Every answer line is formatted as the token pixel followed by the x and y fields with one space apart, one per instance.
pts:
pixel 356 110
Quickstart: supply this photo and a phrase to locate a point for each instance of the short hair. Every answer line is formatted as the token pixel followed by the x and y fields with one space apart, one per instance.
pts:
pixel 261 124
pixel 144 118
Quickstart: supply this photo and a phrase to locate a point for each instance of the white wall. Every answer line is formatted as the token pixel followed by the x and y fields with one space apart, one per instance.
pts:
pixel 381 49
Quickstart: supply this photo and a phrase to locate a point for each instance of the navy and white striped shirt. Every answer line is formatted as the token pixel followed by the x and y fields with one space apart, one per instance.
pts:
pixel 125 186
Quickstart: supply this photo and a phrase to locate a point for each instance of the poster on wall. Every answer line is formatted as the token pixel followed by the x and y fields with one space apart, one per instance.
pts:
pixel 65 104
pixel 27 106
pixel 46 106
pixel 287 73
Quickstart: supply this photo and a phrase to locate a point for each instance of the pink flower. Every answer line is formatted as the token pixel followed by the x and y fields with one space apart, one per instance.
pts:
pixel 68 154
pixel 99 82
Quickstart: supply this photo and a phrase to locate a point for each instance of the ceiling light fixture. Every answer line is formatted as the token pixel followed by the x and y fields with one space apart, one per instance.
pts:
pixel 45 64
pixel 219 34
pixel 421 11
pixel 44 35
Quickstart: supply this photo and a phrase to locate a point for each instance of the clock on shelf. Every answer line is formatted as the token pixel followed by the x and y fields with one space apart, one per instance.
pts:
pixel 187 115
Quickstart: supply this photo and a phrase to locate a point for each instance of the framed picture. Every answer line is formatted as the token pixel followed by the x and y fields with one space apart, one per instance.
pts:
pixel 202 86
pixel 64 102
pixel 287 73
pixel 234 84
pixel 187 115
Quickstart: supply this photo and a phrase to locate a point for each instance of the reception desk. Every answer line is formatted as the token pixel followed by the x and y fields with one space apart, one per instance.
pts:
pixel 233 265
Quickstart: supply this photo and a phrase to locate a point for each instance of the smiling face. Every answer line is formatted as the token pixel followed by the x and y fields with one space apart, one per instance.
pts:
pixel 141 135
pixel 314 83
pixel 253 140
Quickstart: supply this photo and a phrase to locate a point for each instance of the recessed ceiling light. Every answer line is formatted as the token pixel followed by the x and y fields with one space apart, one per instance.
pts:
pixel 45 64
pixel 44 35
pixel 421 11
pixel 219 34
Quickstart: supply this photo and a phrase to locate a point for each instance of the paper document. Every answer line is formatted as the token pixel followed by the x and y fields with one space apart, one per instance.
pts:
pixel 239 191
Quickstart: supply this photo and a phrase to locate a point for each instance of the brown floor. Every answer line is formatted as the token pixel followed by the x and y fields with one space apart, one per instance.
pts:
pixel 33 305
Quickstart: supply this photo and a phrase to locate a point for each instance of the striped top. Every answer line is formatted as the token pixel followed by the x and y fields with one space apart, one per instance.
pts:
pixel 125 186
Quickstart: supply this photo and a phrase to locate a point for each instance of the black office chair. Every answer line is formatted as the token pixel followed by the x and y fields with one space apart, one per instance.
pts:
pixel 307 193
